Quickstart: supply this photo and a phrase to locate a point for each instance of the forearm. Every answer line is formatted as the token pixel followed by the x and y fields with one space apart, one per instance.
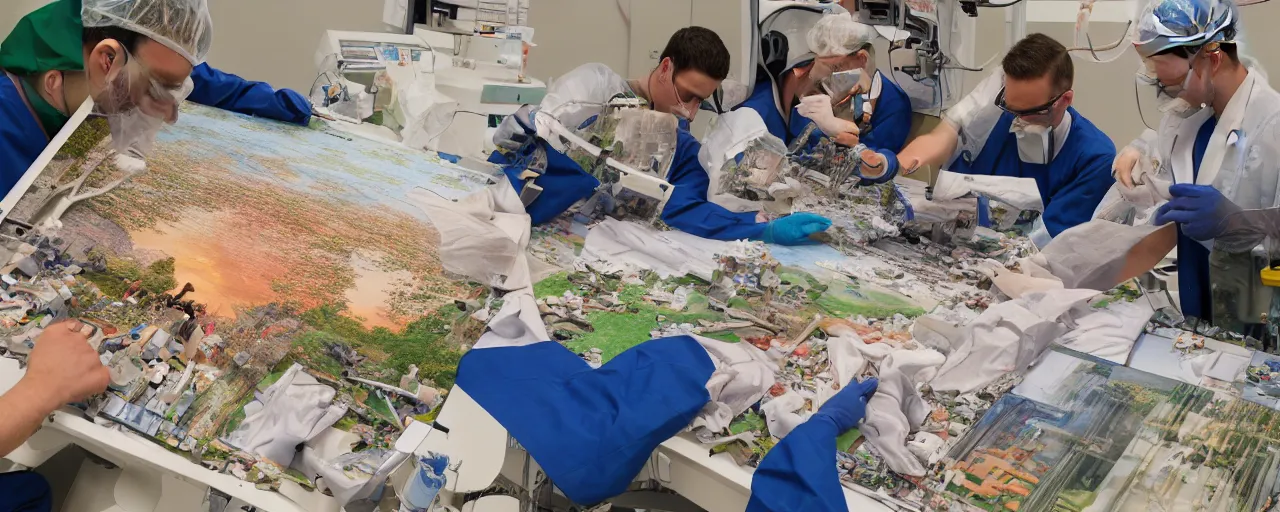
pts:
pixel 22 409
pixel 934 148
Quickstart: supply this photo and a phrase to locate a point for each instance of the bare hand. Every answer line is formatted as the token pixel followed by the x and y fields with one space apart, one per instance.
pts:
pixel 63 364
pixel 872 164
pixel 908 164
pixel 1123 166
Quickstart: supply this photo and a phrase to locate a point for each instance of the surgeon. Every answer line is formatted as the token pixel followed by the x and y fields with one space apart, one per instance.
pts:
pixel 840 45
pixel 1218 142
pixel 1019 123
pixel 689 71
pixel 134 58
pixel 800 473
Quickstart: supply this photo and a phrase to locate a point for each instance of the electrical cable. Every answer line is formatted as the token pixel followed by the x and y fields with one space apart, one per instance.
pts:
pixel 999 6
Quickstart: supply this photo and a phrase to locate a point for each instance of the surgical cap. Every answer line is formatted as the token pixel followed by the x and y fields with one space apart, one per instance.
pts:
pixel 838 35
pixel 1193 23
pixel 182 25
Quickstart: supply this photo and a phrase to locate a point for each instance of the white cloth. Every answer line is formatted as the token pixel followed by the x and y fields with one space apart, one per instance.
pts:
pixel 897 409
pixel 482 236
pixel 1021 193
pixel 1007 337
pixel 290 412
pixel 614 245
pixel 742 376
pixel 781 416
pixel 1077 258
pixel 1109 332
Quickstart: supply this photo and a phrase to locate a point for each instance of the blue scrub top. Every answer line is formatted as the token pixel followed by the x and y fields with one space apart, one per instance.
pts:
pixel 21 138
pixel 688 209
pixel 1071 185
pixel 800 473
pixel 890 122
pixel 1193 258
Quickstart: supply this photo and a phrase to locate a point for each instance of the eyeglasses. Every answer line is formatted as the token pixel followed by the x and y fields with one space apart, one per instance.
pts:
pixel 1030 114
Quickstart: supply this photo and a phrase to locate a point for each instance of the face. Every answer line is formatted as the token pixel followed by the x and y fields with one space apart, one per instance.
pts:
pixel 1037 100
pixel 681 93
pixel 149 80
pixel 826 66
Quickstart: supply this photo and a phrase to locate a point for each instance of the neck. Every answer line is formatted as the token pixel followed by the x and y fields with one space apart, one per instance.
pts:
pixel 1226 86
pixel 641 86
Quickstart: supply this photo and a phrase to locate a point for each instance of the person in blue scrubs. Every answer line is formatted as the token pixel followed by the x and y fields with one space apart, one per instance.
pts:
pixel 690 70
pixel 65 52
pixel 1019 123
pixel 881 109
pixel 800 473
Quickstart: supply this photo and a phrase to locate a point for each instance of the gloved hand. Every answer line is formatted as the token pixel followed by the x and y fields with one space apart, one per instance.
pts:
pixel 818 109
pixel 1200 210
pixel 1138 183
pixel 848 407
pixel 794 229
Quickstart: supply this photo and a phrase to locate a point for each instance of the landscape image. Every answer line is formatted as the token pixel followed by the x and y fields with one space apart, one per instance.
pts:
pixel 1085 435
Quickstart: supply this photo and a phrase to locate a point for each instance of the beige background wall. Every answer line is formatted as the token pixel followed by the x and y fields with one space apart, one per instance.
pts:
pixel 274 40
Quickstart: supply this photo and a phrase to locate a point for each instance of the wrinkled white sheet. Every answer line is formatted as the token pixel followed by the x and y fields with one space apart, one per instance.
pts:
pixel 1021 193
pixel 614 245
pixel 1007 337
pixel 1076 257
pixel 897 409
pixel 482 236
pixel 290 412
pixel 1109 332
pixel 742 376
pixel 780 414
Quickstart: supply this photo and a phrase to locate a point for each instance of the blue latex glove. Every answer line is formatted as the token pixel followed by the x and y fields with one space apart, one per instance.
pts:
pixel 794 229
pixel 847 409
pixel 1200 210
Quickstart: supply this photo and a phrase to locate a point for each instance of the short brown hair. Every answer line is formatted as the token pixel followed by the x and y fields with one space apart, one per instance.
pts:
pixel 1038 55
pixel 698 49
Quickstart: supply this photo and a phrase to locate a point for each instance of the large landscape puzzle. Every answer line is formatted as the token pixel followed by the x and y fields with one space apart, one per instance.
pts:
pixel 246 246
pixel 1080 434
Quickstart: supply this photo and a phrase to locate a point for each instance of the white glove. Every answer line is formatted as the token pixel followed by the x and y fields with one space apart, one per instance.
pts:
pixel 1136 180
pixel 818 109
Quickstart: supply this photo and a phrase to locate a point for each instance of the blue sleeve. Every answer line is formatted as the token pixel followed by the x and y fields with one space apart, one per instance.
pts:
pixel 563 184
pixel 21 137
pixel 891 121
pixel 230 92
pixel 1075 201
pixel 800 473
pixel 690 211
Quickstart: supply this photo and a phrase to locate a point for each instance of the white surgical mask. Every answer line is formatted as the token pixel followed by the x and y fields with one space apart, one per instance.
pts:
pixel 1035 142
pixel 1177 107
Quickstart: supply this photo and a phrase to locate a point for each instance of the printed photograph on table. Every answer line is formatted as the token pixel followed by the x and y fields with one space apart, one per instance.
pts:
pixel 250 261
pixel 1083 434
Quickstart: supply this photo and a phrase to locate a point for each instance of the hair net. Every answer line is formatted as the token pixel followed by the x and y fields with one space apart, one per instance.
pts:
pixel 838 35
pixel 1172 23
pixel 182 25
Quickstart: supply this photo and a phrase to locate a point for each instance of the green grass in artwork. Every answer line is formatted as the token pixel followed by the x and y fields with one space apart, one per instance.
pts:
pixel 553 286
pixel 847 301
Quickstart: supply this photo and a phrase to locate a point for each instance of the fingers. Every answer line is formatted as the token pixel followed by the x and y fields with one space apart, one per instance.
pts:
pixel 1179 216
pixel 1190 190
pixel 868 387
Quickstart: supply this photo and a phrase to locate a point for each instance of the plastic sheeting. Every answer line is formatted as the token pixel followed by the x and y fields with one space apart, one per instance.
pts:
pixel 1021 193
pixel 1076 257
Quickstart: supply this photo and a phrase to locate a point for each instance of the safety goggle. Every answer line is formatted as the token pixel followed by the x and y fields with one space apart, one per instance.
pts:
pixel 1030 114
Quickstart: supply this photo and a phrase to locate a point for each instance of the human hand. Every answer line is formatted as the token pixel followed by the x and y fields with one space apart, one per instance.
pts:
pixel 62 367
pixel 817 108
pixel 794 229
pixel 849 139
pixel 1200 210
pixel 878 166
pixel 909 163
pixel 1122 167
pixel 849 406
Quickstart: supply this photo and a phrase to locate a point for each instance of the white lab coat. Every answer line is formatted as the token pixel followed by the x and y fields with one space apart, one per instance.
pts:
pixel 1243 157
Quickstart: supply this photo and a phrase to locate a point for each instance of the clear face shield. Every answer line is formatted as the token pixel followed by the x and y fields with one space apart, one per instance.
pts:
pixel 137 105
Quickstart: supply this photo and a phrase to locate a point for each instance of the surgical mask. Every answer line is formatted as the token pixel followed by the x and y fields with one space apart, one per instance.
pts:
pixel 1035 142
pixel 1177 107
